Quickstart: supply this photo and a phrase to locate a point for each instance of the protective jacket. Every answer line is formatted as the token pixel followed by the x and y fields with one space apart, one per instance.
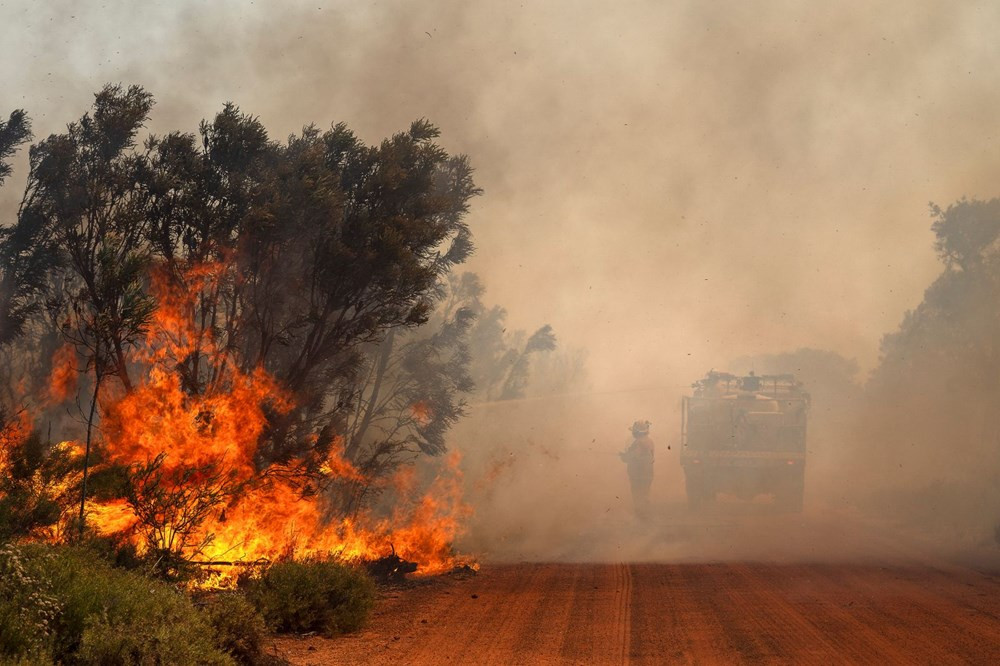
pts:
pixel 639 459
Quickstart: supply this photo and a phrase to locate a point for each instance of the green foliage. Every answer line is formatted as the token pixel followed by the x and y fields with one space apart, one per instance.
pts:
pixel 71 605
pixel 13 132
pixel 239 629
pixel 28 608
pixel 323 596
pixel 118 550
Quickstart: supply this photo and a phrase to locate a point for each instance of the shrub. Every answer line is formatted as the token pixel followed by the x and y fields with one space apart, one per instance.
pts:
pixel 239 629
pixel 117 550
pixel 317 595
pixel 27 610
pixel 103 615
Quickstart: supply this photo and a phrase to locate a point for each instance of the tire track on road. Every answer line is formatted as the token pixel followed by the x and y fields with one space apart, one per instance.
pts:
pixel 624 614
pixel 719 613
pixel 592 623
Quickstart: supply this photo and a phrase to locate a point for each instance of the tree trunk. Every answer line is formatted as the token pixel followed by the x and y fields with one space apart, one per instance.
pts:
pixel 385 351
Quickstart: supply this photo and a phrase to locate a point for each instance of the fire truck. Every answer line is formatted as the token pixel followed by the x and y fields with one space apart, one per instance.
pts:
pixel 745 436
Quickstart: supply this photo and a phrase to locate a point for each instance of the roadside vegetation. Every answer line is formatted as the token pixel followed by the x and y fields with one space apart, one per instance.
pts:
pixel 67 605
pixel 321 596
pixel 61 604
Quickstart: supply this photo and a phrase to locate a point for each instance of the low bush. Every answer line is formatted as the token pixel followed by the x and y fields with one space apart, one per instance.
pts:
pixel 239 629
pixel 317 595
pixel 84 611
pixel 28 610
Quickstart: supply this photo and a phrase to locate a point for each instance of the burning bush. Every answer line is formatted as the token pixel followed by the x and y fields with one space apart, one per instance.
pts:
pixel 32 481
pixel 317 595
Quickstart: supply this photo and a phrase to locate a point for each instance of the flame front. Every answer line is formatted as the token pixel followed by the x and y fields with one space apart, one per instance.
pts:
pixel 198 487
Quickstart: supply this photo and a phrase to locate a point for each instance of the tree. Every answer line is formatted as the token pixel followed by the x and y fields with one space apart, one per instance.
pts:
pixel 932 399
pixel 86 198
pixel 23 262
pixel 413 391
pixel 949 339
pixel 223 263
pixel 14 131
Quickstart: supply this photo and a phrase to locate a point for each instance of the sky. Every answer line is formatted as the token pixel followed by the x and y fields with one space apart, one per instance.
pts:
pixel 669 184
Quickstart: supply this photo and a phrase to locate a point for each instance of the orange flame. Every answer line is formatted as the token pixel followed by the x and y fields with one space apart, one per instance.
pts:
pixel 421 412
pixel 63 378
pixel 111 517
pixel 200 447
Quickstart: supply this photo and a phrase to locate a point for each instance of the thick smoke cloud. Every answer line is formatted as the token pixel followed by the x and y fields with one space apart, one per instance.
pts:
pixel 663 179
pixel 671 185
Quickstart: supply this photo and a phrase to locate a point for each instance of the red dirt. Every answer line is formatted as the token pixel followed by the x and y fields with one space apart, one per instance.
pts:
pixel 679 613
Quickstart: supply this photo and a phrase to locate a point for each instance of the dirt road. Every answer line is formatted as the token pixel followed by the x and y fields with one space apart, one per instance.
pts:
pixel 680 613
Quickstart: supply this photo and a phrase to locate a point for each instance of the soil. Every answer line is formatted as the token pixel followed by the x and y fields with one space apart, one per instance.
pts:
pixel 725 612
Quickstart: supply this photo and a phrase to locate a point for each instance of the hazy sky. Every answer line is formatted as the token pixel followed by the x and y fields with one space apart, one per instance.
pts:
pixel 669 184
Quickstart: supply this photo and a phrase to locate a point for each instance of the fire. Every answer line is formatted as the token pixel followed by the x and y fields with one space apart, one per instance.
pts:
pixel 12 433
pixel 198 487
pixel 111 517
pixel 62 379
pixel 421 412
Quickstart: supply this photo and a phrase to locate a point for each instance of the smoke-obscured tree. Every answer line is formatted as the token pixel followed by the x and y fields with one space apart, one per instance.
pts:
pixel 412 394
pixel 952 334
pixel 501 359
pixel 518 360
pixel 416 383
pixel 559 372
pixel 931 418
pixel 414 389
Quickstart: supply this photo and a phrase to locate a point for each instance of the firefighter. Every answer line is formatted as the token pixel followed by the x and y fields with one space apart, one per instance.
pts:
pixel 639 459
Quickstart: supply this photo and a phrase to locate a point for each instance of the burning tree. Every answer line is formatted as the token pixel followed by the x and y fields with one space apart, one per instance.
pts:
pixel 222 292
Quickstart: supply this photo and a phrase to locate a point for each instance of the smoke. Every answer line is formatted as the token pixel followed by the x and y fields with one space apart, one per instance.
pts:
pixel 716 179
pixel 671 185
